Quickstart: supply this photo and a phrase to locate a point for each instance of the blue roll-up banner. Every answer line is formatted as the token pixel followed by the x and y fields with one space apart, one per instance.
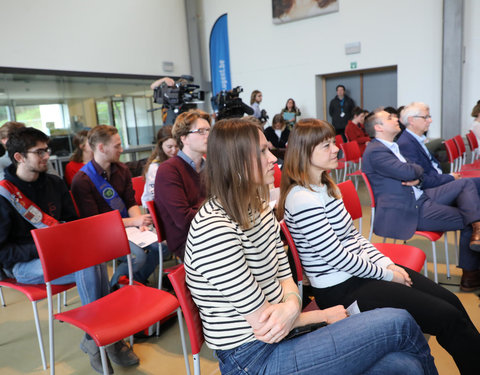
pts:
pixel 220 56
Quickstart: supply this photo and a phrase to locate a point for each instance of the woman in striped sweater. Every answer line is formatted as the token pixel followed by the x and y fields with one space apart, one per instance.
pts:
pixel 343 266
pixel 239 277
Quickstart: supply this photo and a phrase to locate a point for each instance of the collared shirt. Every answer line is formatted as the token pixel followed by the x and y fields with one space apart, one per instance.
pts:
pixel 392 146
pixel 189 160
pixel 421 140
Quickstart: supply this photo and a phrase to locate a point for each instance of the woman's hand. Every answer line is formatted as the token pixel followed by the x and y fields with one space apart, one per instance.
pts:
pixel 400 275
pixel 277 321
pixel 334 314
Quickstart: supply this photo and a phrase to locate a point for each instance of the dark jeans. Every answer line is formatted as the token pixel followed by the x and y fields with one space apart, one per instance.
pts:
pixel 436 310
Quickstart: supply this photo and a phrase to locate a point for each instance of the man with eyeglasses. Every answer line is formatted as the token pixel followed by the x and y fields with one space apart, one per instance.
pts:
pixel 179 189
pixel 404 205
pixel 417 119
pixel 31 198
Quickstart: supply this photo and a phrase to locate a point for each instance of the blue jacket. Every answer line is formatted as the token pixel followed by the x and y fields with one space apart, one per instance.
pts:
pixel 396 213
pixel 414 153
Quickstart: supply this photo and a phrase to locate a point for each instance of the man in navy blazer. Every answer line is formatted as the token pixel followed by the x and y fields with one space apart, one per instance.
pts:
pixel 404 206
pixel 416 117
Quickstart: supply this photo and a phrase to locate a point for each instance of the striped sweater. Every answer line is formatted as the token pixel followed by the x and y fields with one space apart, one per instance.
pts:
pixel 231 272
pixel 330 247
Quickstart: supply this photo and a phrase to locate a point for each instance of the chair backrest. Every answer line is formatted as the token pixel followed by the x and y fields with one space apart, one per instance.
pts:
pixel 351 151
pixel 339 140
pixel 405 255
pixel 369 189
pixel 296 258
pixel 351 200
pixel 277 175
pixel 472 141
pixel 73 246
pixel 157 222
pixel 189 308
pixel 452 153
pixel 74 204
pixel 460 144
pixel 138 184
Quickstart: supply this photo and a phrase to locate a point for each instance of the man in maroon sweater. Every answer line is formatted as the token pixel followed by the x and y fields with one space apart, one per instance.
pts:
pixel 179 189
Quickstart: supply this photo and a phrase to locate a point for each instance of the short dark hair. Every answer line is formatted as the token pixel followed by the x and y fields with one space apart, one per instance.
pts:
pixel 22 139
pixel 336 88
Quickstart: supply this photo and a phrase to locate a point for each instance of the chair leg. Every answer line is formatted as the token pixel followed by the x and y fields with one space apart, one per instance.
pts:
pixel 434 251
pixel 447 261
pixel 65 298
pixel 182 336
pixel 196 364
pixel 456 248
pixel 160 277
pixel 39 334
pixel 103 355
pixel 425 268
pixel 59 302
pixel 3 300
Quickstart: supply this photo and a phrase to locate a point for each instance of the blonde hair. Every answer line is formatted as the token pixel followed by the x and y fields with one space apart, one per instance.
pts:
pixel 233 156
pixel 303 138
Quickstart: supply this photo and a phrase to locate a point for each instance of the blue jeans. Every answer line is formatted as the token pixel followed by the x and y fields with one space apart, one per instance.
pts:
pixel 139 257
pixel 152 262
pixel 92 282
pixel 381 341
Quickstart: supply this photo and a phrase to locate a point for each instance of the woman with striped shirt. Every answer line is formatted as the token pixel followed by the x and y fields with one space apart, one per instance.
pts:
pixel 343 266
pixel 239 277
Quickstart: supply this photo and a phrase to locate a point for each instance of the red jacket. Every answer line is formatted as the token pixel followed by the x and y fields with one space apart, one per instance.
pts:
pixel 355 132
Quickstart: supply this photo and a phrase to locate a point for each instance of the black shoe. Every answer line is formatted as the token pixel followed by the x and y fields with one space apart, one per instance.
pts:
pixel 89 347
pixel 121 354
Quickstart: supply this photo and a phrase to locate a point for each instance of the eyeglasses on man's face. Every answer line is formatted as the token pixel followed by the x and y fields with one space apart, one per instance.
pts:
pixel 41 152
pixel 201 131
pixel 426 117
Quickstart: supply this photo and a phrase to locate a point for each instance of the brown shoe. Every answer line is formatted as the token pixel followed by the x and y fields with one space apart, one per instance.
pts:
pixel 470 281
pixel 475 239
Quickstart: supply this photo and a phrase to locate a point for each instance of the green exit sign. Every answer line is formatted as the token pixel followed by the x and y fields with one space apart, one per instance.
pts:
pixel 353 65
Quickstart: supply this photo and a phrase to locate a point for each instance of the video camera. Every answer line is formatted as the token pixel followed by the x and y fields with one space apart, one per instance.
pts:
pixel 229 105
pixel 174 97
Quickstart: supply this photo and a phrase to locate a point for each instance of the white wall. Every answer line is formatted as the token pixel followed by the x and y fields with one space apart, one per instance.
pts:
pixel 283 60
pixel 471 67
pixel 114 36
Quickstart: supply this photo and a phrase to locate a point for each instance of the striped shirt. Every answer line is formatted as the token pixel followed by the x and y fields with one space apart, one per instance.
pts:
pixel 231 272
pixel 330 247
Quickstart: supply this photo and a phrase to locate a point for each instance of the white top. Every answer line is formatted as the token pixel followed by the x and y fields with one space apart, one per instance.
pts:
pixel 330 247
pixel 231 272
pixel 149 189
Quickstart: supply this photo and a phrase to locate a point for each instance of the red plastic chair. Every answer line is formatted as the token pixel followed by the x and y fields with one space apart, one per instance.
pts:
pixel 341 161
pixel 277 175
pixel 454 152
pixel 452 155
pixel 35 293
pixel 353 160
pixel 138 184
pixel 473 144
pixel 296 258
pixel 432 236
pixel 85 243
pixel 192 317
pixel 462 150
pixel 405 255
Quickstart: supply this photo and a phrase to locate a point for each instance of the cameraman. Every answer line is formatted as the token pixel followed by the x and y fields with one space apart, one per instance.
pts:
pixel 169 111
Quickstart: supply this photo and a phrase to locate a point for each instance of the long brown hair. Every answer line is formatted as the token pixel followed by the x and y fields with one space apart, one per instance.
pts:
pixel 306 134
pixel 79 139
pixel 233 155
pixel 158 155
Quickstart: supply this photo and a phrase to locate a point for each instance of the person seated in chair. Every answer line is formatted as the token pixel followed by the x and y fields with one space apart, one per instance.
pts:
pixel 404 206
pixel 105 184
pixel 179 190
pixel 30 198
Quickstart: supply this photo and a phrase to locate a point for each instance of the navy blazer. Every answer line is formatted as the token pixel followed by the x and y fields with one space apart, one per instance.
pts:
pixel 414 153
pixel 396 212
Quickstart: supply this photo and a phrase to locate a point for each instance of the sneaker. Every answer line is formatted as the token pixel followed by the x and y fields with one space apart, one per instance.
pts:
pixel 121 354
pixel 88 346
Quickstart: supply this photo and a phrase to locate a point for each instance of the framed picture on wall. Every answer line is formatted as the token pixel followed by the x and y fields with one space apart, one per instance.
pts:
pixel 293 10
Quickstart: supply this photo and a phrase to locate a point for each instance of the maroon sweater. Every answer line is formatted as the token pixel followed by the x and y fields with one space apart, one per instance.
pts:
pixel 179 193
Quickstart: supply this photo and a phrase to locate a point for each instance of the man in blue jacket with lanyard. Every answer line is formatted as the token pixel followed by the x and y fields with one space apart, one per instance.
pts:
pixel 403 205
pixel 30 198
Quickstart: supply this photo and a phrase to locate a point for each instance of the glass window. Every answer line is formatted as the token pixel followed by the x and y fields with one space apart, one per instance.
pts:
pixel 103 113
pixel 4 114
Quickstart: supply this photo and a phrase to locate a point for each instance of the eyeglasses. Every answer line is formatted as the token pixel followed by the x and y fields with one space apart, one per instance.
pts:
pixel 424 117
pixel 41 152
pixel 201 131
